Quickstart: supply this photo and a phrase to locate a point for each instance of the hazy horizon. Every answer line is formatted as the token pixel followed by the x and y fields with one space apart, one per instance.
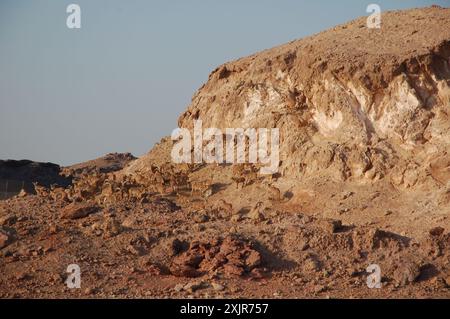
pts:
pixel 120 82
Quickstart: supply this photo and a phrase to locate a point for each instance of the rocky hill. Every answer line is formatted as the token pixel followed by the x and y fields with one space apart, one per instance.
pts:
pixel 353 102
pixel 359 109
pixel 18 175
pixel 111 162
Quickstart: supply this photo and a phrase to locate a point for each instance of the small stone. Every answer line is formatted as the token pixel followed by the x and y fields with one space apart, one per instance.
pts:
pixel 236 218
pixel 235 290
pixel 311 264
pixel 154 270
pixel 78 210
pixel 8 220
pixel 178 287
pixel 200 218
pixel 6 237
pixel 22 193
pixel 194 286
pixel 330 225
pixel 447 281
pixel 129 222
pixel 406 273
pixel 111 227
pixel 304 247
pixel 232 230
pixel 88 291
pixel 217 287
pixel 436 231
pixel 253 259
pixel 319 289
pixel 347 195
pixel 256 215
pixel 47 248
pixel 178 246
pixel 199 227
pixel 53 229
pixel 22 276
pixel 132 250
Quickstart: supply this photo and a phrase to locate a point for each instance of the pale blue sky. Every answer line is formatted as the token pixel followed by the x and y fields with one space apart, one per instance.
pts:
pixel 120 82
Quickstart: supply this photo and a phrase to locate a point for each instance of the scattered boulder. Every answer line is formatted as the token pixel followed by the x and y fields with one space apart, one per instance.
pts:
pixel 78 210
pixel 330 225
pixel 406 273
pixel 235 256
pixel 8 220
pixel 6 237
pixel 436 231
pixel 129 222
pixel 236 218
pixel 257 212
pixel 217 287
pixel 22 193
pixel 178 287
pixel 377 238
pixel 179 246
pixel 194 286
pixel 200 217
pixel 311 264
pixel 437 243
pixel 447 281
pixel 154 270
pixel 256 215
pixel 111 227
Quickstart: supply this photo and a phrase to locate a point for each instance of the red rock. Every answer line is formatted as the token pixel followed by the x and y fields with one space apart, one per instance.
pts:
pixel 436 231
pixel 6 237
pixel 78 210
pixel 257 273
pixel 253 259
pixel 330 225
pixel 184 271
pixel 235 256
pixel 154 270
pixel 231 269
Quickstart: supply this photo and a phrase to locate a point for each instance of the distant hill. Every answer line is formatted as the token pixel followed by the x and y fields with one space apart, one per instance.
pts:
pixel 109 163
pixel 17 175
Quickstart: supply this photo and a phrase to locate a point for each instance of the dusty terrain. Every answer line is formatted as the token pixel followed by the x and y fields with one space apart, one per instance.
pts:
pixel 364 179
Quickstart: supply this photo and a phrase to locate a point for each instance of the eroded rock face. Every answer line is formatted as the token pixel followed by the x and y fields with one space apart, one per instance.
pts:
pixel 349 102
